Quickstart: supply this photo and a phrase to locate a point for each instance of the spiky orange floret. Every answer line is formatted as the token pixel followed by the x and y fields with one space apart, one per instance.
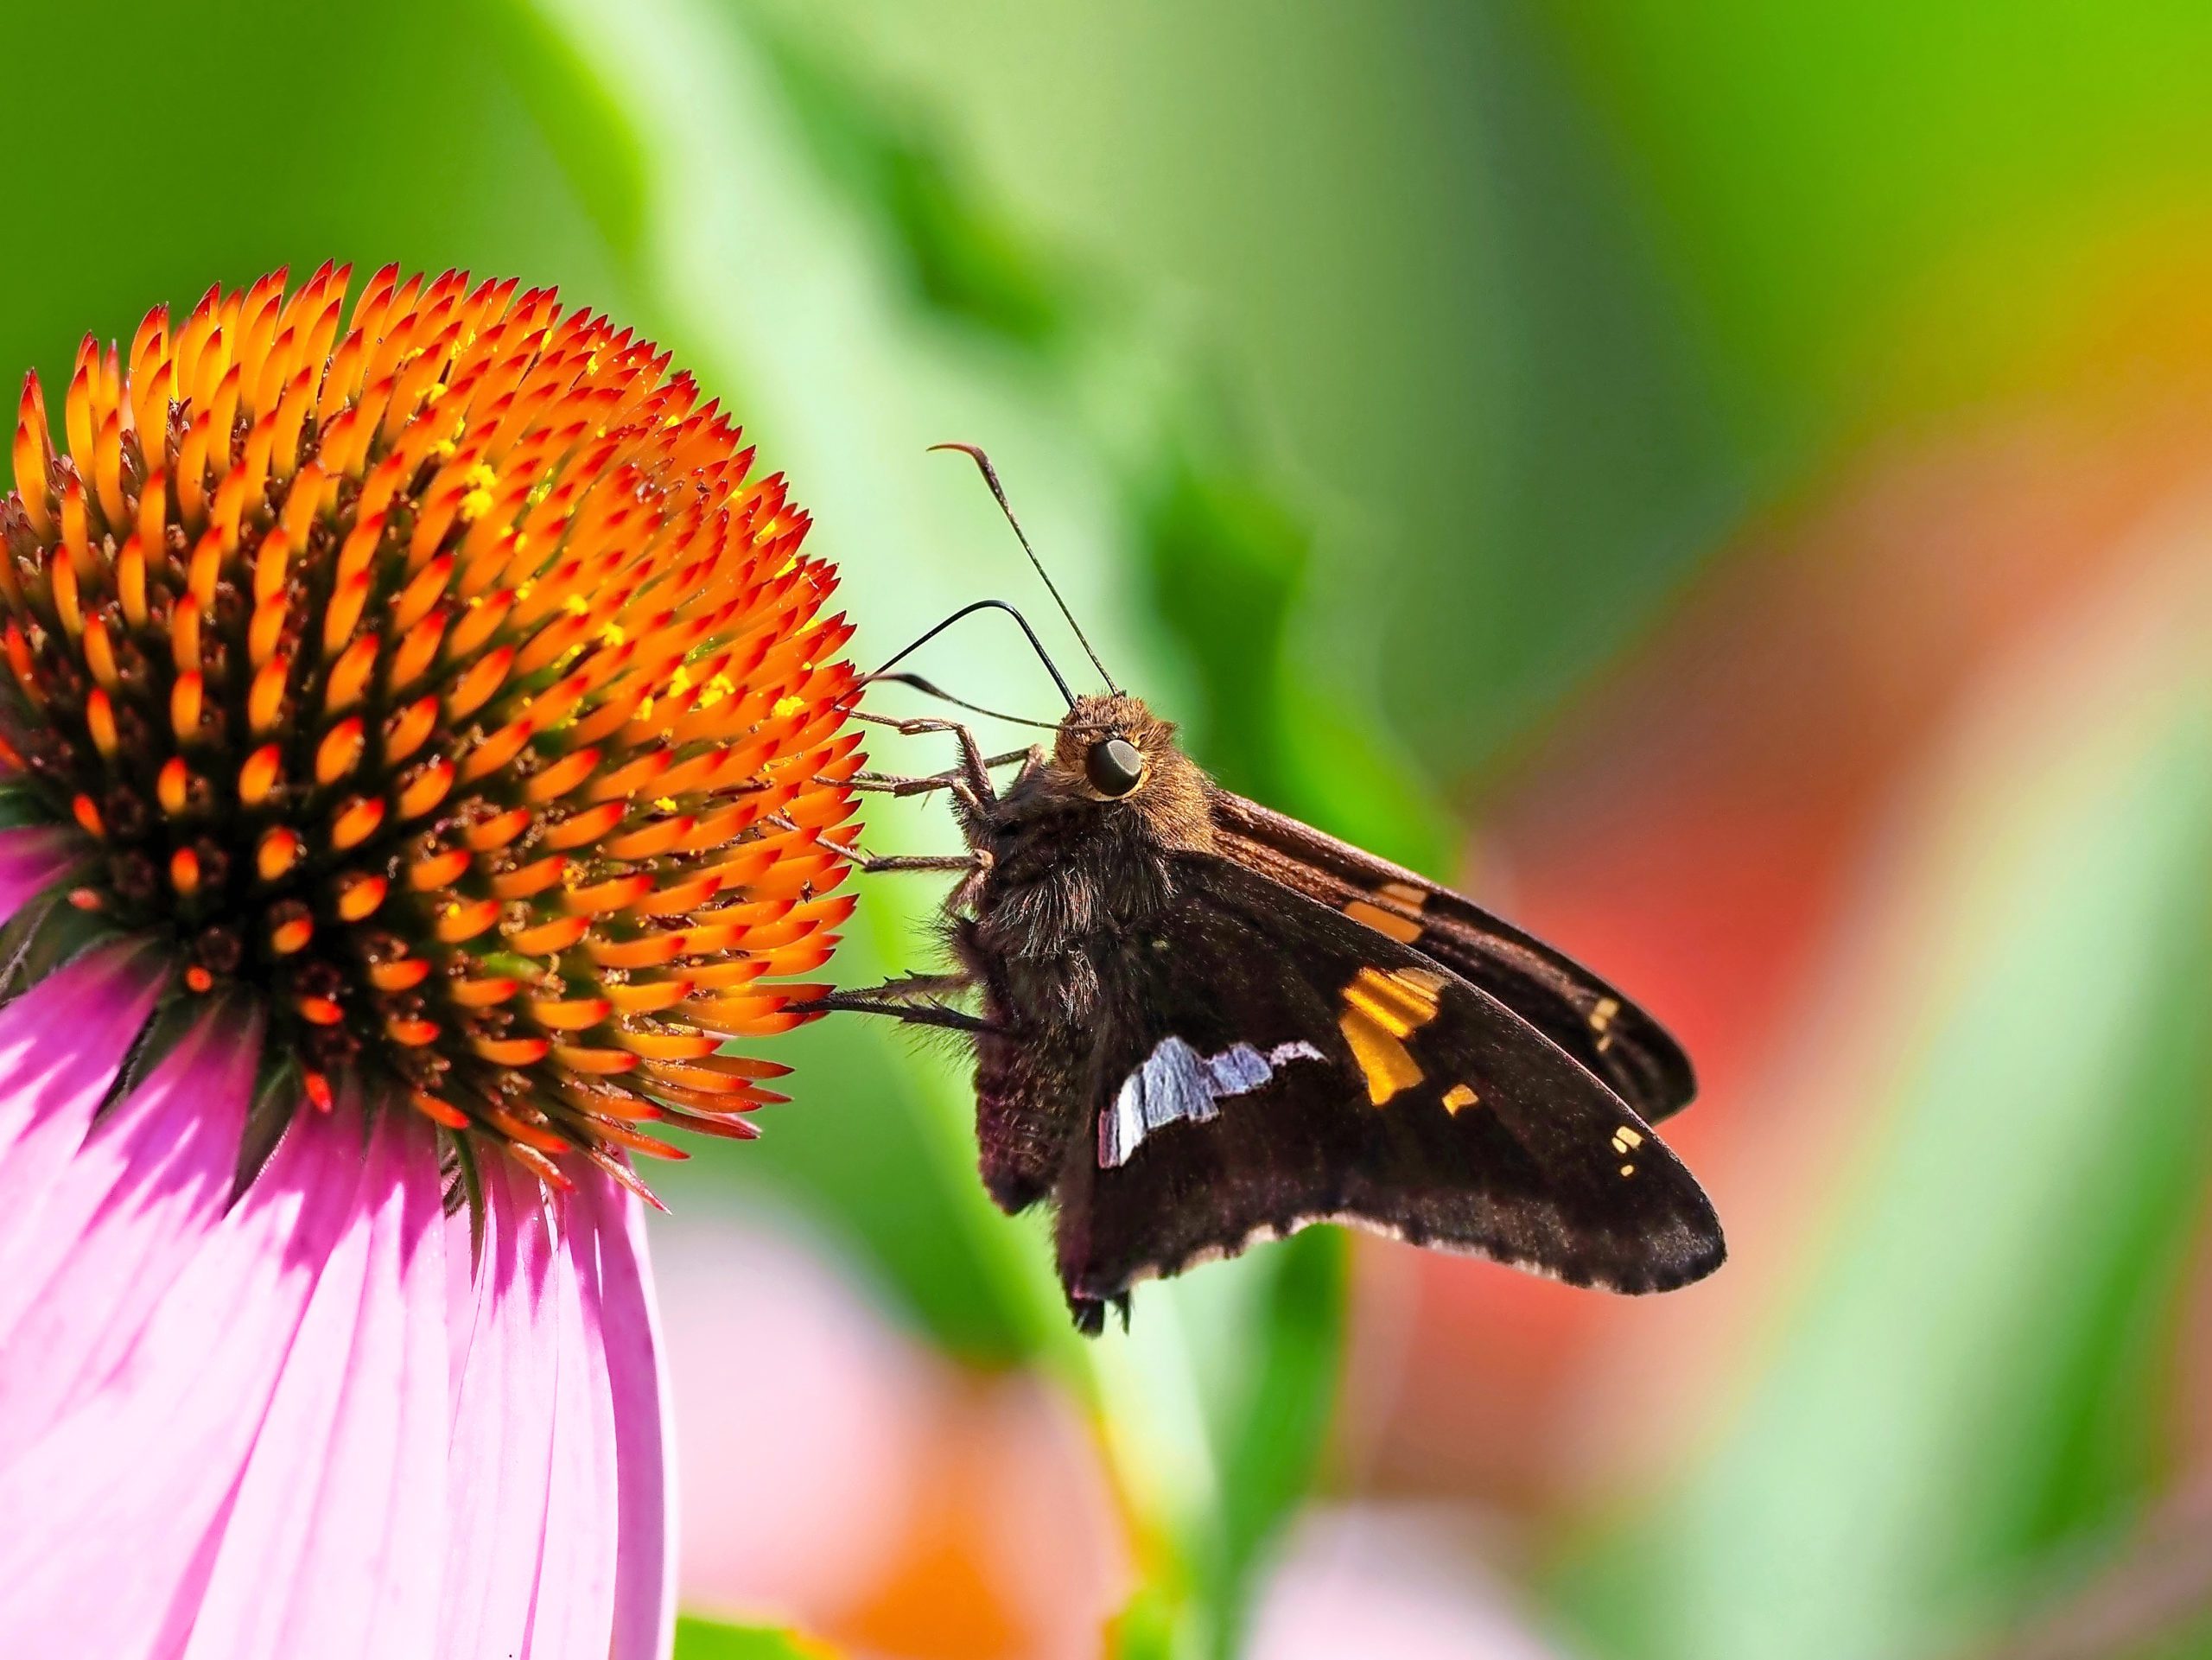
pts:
pixel 436 673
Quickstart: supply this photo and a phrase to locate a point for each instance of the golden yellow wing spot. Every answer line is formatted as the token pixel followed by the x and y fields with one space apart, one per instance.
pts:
pixel 1403 893
pixel 1459 1096
pixel 1382 1006
pixel 1401 1000
pixel 1628 1170
pixel 1601 1018
pixel 1626 1140
pixel 1404 930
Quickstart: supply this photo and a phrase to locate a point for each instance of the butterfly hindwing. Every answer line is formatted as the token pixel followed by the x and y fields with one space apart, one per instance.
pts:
pixel 1575 1009
pixel 1264 1061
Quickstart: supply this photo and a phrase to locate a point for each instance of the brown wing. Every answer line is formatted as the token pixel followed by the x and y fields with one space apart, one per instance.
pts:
pixel 1568 1004
pixel 1261 1062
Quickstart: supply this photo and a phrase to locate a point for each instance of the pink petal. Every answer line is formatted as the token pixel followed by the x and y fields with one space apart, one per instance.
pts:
pixel 501 1447
pixel 332 1544
pixel 645 1586
pixel 61 1044
pixel 573 1607
pixel 109 1238
pixel 106 1515
pixel 30 859
pixel 308 1422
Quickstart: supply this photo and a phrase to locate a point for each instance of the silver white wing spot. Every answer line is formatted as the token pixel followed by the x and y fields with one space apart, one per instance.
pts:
pixel 1177 1082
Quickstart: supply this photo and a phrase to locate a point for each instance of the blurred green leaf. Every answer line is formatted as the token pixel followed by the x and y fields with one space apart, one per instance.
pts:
pixel 1145 1629
pixel 584 125
pixel 1273 1448
pixel 1971 1381
pixel 257 134
pixel 1832 178
pixel 704 1639
pixel 965 258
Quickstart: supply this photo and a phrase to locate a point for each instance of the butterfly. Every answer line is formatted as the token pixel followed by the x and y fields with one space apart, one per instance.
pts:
pixel 1199 1023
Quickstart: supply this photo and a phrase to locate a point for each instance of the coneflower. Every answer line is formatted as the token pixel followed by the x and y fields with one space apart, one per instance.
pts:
pixel 422 749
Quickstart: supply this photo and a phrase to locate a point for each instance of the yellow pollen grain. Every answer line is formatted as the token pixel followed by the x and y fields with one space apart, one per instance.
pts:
pixel 441 450
pixel 786 707
pixel 575 605
pixel 474 505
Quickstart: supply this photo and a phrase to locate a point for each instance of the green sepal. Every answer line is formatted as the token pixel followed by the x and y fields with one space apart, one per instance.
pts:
pixel 465 1185
pixel 47 934
pixel 278 1090
pixel 23 809
pixel 164 1029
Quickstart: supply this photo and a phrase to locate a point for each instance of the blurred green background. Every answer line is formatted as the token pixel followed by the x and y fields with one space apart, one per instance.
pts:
pixel 1728 484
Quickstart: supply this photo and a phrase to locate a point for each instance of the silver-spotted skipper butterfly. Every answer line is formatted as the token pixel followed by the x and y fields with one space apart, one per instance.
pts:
pixel 1202 1023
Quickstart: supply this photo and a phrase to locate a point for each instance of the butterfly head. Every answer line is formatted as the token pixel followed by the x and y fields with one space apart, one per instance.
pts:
pixel 1113 750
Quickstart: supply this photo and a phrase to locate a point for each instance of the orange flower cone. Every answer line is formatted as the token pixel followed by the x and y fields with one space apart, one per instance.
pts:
pixel 424 747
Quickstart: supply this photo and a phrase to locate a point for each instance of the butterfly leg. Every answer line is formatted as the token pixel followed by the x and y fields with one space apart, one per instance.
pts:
pixel 892 999
pixel 974 865
pixel 895 784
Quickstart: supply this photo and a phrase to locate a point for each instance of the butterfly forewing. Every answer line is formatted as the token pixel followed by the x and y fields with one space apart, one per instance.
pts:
pixel 1264 1061
pixel 1575 1009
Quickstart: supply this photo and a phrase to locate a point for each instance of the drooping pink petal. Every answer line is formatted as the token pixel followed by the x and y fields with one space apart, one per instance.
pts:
pixel 501 1444
pixel 106 1514
pixel 332 1546
pixel 30 859
pixel 574 1605
pixel 287 1434
pixel 103 1238
pixel 61 1044
pixel 629 1326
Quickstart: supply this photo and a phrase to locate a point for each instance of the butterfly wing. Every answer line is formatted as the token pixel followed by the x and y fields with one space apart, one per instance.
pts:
pixel 1264 1062
pixel 1575 1009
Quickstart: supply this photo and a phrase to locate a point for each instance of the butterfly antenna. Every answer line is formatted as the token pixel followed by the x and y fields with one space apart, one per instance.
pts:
pixel 1036 645
pixel 991 477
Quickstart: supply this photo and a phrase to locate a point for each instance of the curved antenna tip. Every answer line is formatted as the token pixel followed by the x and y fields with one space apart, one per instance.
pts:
pixel 975 453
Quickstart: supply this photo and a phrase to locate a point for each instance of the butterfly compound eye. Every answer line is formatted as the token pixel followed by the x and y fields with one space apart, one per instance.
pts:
pixel 1114 767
